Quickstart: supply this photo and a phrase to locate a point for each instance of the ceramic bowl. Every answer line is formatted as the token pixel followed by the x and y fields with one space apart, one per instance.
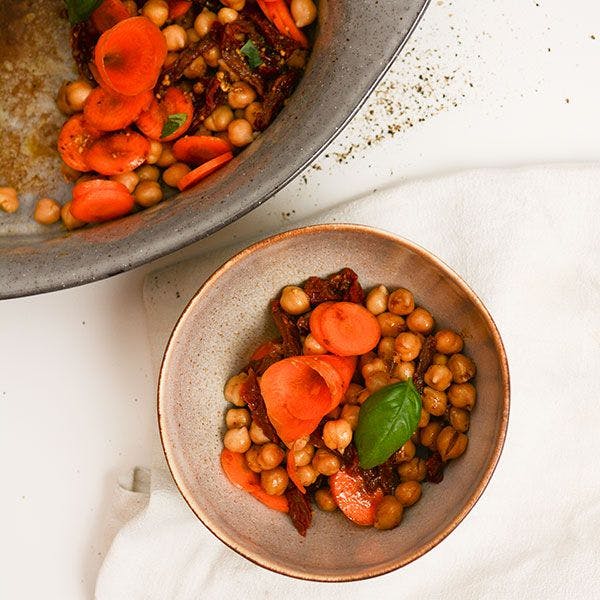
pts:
pixel 228 318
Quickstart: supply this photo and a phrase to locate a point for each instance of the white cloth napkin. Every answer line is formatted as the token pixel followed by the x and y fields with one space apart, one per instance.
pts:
pixel 528 242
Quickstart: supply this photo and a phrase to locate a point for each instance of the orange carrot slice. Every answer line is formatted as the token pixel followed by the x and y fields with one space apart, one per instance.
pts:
pixel 193 177
pixel 178 8
pixel 99 200
pixel 130 55
pixel 108 111
pixel 197 149
pixel 353 499
pixel 108 14
pixel 346 329
pixel 151 122
pixel 278 13
pixel 315 319
pixel 117 153
pixel 235 467
pixel 74 139
pixel 343 366
pixel 291 469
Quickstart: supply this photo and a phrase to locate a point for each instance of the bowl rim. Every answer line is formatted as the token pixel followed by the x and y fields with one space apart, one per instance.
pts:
pixel 487 475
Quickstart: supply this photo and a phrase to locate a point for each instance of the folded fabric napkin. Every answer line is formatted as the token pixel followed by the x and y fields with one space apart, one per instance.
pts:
pixel 528 243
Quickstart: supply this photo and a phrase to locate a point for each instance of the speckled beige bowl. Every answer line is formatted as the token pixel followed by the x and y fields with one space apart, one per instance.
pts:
pixel 228 317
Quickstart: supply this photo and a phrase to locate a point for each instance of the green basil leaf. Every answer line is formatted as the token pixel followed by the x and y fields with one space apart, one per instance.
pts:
pixel 173 123
pixel 80 10
pixel 386 421
pixel 250 51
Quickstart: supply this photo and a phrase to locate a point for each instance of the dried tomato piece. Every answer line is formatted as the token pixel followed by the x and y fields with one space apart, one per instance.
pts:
pixel 250 394
pixel 424 362
pixel 287 329
pixel 278 93
pixel 435 468
pixel 83 41
pixel 339 287
pixel 300 510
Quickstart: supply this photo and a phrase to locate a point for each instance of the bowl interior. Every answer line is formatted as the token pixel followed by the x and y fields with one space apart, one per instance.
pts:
pixel 213 340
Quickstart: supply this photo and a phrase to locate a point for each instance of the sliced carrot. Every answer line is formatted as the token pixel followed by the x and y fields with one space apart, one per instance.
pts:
pixel 291 469
pixel 315 319
pixel 108 14
pixel 342 366
pixel 117 153
pixel 74 139
pixel 178 8
pixel 278 13
pixel 235 467
pixel 130 55
pixel 197 149
pixel 199 173
pixel 108 111
pixel 353 499
pixel 346 329
pixel 264 350
pixel 98 200
pixel 174 102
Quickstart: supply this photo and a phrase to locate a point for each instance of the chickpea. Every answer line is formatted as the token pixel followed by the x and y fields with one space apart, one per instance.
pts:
pixel 294 300
pixel 423 419
pixel 420 321
pixel 386 348
pixel 429 434
pixel 303 456
pixel 391 325
pixel 325 500
pixel 72 96
pixel 434 401
pixel 448 342
pixel 459 418
pixel 166 158
pixel 257 435
pixel 227 15
pixel 462 395
pixel 300 443
pixel 237 417
pixel 129 179
pixel 154 153
pixel 307 475
pixel 350 414
pixel 363 396
pixel 192 36
pixel 240 133
pixel 408 346
pixel 69 221
pixel 462 367
pixel 270 456
pixel 351 397
pixel 241 94
pixel 376 381
pixel 337 434
pixel 274 481
pixel 196 69
pixel 237 440
pixel 148 193
pixel 176 37
pixel 235 4
pixel 388 513
pixel 408 493
pixel 375 366
pixel 304 12
pixel 9 201
pixel 440 359
pixel 47 211
pixel 438 377
pixel 204 22
pixel 325 462
pixel 148 173
pixel 173 175
pixel 311 347
pixel 131 7
pixel 252 459
pixel 233 388
pixel 413 470
pixel 403 370
pixel 451 443
pixel 377 300
pixel 157 11
pixel 212 56
pixel 252 112
pixel 219 119
pixel 401 302
pixel 406 452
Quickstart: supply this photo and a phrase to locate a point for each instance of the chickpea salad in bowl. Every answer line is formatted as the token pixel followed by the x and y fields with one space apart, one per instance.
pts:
pixel 169 92
pixel 357 406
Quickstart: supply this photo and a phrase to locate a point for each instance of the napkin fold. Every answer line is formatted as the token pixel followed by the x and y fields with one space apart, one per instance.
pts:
pixel 528 242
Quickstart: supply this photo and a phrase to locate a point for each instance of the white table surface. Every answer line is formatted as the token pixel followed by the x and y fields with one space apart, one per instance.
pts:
pixel 497 83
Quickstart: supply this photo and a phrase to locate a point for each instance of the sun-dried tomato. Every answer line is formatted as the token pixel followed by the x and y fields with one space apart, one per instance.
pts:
pixel 288 330
pixel 339 287
pixel 303 324
pixel 278 93
pixel 435 468
pixel 250 394
pixel 300 510
pixel 260 365
pixel 382 477
pixel 83 41
pixel 424 361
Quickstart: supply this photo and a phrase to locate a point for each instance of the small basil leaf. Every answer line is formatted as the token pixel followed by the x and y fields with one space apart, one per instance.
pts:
pixel 80 10
pixel 173 123
pixel 250 51
pixel 386 421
